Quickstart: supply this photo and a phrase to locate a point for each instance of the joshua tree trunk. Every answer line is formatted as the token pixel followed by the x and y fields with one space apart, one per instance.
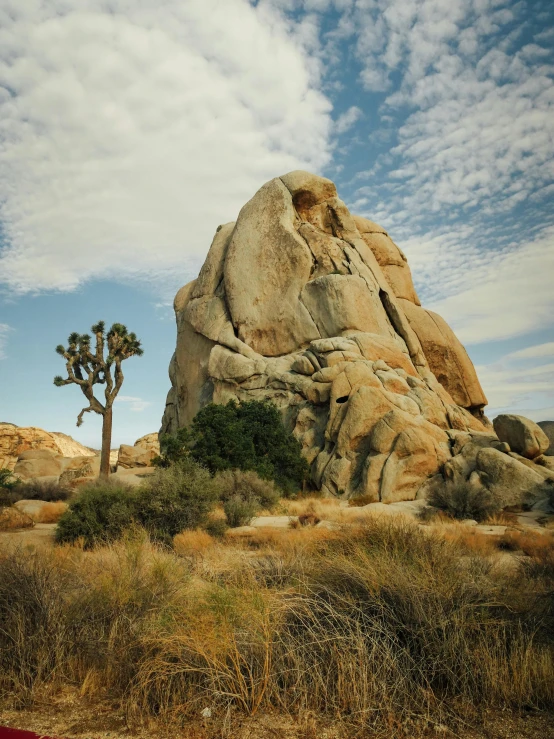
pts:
pixel 106 442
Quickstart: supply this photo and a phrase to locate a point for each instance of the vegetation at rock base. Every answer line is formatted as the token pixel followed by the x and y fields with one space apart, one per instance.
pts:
pixel 244 494
pixel 87 366
pixel 462 500
pixel 245 436
pixel 13 489
pixel 47 490
pixel 381 630
pixel 7 484
pixel 7 479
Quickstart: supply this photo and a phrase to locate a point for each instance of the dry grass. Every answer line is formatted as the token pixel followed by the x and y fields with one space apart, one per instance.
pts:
pixel 192 543
pixel 384 629
pixel 51 512
pixel 12 519
pixel 323 508
pixel 531 543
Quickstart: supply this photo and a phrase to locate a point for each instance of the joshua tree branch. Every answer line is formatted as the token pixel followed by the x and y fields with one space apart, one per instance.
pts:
pixel 81 414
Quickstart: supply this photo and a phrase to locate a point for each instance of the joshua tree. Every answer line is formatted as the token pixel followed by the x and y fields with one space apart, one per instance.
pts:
pixel 88 368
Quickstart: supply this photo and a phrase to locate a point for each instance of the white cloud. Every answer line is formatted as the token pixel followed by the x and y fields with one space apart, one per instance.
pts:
pixel 520 382
pixel 348 119
pixel 475 145
pixel 479 114
pixel 532 352
pixel 130 131
pixel 4 331
pixel 496 295
pixel 134 404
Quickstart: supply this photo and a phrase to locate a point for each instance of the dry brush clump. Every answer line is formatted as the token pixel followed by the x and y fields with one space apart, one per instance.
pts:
pixel 384 628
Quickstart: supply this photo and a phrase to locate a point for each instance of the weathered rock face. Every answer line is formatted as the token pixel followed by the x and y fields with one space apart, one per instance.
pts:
pixel 48 465
pixel 150 442
pixel 303 304
pixel 134 456
pixel 139 455
pixel 14 440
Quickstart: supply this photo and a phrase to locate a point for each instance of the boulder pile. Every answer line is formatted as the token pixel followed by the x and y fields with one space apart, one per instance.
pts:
pixel 302 303
pixel 15 440
pixel 34 454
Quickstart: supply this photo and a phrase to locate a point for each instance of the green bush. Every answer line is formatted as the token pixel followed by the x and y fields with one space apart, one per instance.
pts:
pixel 7 479
pixel 216 527
pixel 100 513
pixel 243 494
pixel 240 511
pixel 249 436
pixel 169 501
pixel 179 497
pixel 462 500
pixel 8 482
pixel 247 485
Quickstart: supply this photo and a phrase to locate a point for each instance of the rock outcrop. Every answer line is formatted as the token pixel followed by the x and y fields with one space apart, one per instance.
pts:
pixel 15 440
pixel 48 465
pixel 303 304
pixel 141 454
pixel 524 436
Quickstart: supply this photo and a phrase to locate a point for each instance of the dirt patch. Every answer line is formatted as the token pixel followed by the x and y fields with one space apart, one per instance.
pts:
pixel 70 717
pixel 41 535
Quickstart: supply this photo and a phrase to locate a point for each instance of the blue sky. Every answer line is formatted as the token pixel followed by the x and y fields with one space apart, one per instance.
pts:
pixel 130 129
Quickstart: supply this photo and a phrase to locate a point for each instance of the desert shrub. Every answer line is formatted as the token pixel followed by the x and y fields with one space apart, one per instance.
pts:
pixel 47 490
pixel 100 513
pixel 7 479
pixel 243 494
pixel 175 498
pixel 249 436
pixel 247 485
pixel 8 496
pixel 240 511
pixel 461 500
pixel 308 519
pixel 216 527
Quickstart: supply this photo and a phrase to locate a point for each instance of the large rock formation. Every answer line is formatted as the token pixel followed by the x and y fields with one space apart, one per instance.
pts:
pixel 314 309
pixel 15 440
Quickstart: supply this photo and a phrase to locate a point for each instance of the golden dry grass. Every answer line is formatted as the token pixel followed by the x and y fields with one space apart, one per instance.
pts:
pixel 383 628
pixel 12 519
pixel 51 512
pixel 192 543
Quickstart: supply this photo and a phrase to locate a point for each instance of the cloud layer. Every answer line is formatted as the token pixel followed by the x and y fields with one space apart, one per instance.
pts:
pixel 521 382
pixel 130 130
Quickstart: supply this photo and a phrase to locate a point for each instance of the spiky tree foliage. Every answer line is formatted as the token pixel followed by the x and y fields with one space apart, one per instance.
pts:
pixel 89 365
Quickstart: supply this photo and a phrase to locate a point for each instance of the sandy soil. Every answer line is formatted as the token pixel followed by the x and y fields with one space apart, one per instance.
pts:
pixel 41 535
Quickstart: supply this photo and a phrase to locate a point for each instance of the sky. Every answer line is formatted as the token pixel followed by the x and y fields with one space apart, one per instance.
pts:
pixel 130 129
